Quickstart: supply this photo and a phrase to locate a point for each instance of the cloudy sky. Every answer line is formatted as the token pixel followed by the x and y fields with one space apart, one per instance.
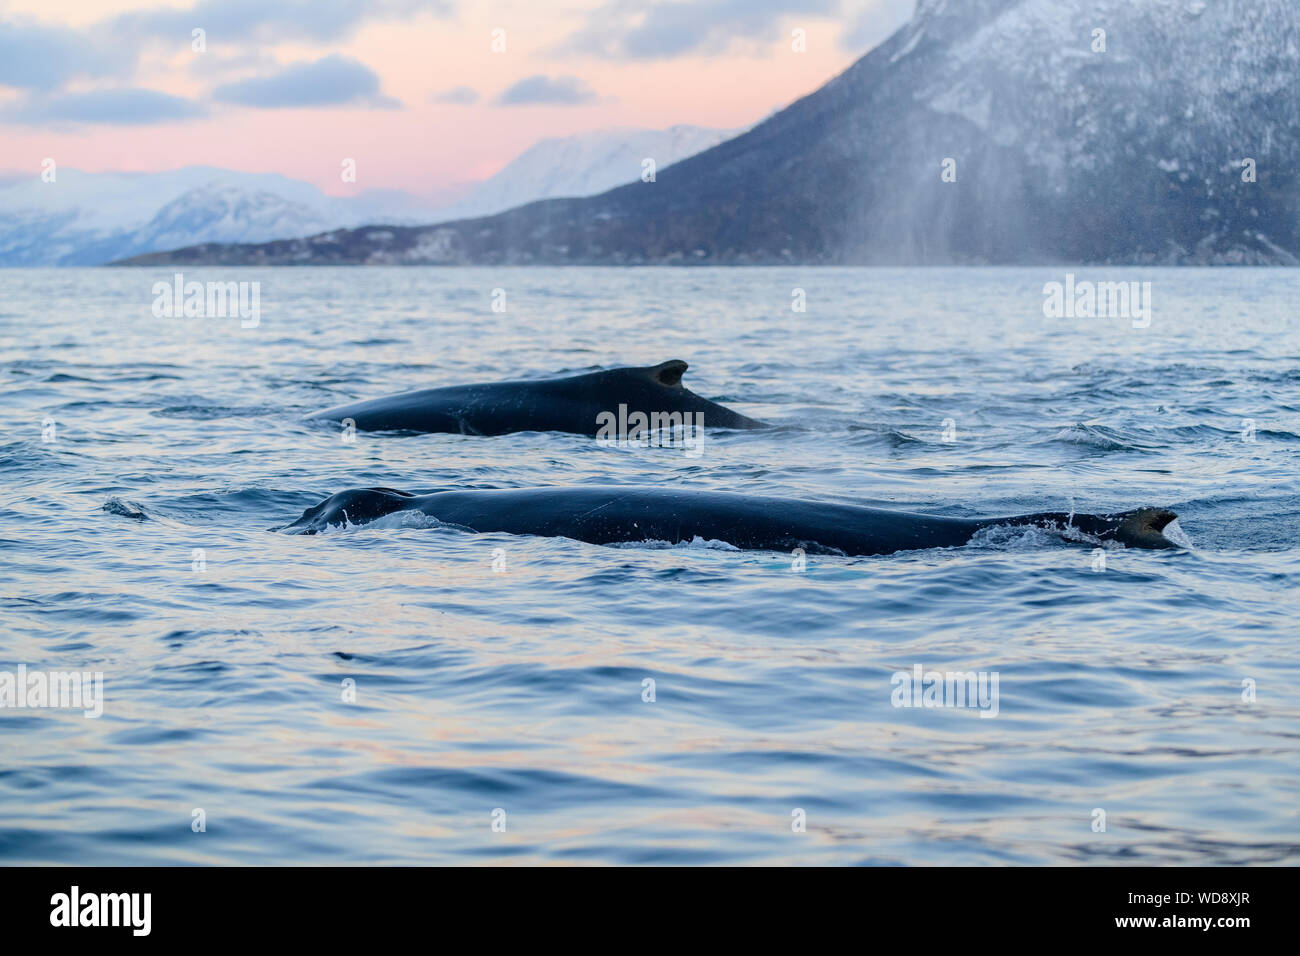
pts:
pixel 418 92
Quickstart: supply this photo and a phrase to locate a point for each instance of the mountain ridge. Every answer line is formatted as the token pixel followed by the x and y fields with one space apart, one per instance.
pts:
pixel 90 218
pixel 1058 152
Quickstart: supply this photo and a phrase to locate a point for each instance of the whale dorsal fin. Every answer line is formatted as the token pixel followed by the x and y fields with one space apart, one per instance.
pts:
pixel 1142 528
pixel 669 373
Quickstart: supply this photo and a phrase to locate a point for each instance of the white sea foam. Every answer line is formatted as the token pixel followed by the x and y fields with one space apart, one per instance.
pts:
pixel 710 544
pixel 1175 533
pixel 1008 537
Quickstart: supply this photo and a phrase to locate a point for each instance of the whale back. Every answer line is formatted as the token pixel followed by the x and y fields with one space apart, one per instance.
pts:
pixel 573 403
pixel 611 514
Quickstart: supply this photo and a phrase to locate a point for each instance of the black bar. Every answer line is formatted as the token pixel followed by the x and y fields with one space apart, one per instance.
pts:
pixel 939 907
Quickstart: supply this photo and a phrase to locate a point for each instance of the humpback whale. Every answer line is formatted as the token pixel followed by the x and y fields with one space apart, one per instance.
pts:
pixel 582 404
pixel 605 514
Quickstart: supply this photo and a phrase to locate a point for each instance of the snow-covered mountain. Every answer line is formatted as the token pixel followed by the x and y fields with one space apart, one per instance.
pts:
pixel 983 131
pixel 91 218
pixel 583 165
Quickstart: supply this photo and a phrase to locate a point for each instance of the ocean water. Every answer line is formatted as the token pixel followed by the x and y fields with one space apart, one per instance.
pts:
pixel 502 680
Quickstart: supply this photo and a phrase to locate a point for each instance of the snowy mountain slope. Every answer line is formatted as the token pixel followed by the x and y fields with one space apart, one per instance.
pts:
pixel 92 218
pixel 582 165
pixel 1179 142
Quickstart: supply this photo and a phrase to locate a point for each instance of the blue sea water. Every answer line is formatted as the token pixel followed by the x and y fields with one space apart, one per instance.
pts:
pixel 501 678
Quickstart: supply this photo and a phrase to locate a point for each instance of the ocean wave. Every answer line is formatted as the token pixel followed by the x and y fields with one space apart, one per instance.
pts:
pixel 203 412
pixel 126 509
pixel 884 435
pixel 1099 437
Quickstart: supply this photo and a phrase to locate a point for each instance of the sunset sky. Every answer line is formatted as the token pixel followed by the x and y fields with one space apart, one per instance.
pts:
pixel 410 89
